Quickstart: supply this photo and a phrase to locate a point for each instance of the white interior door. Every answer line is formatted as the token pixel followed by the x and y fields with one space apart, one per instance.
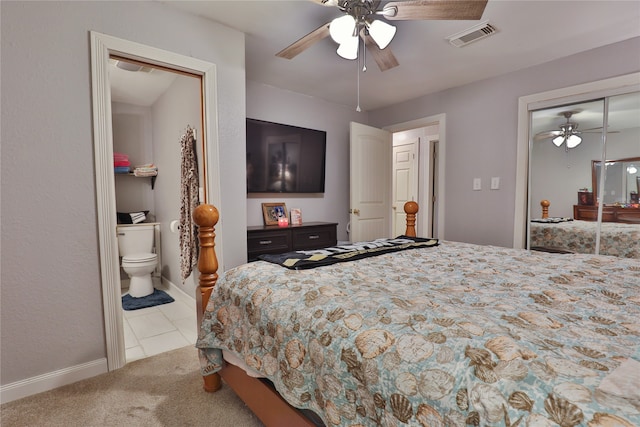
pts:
pixel 405 182
pixel 370 183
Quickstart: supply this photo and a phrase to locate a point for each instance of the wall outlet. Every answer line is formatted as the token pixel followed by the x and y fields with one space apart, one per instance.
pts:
pixel 477 184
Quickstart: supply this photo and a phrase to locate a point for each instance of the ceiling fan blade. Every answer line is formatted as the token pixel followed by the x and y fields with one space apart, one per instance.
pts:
pixel 434 9
pixel 598 130
pixel 547 134
pixel 326 2
pixel 305 42
pixel 383 57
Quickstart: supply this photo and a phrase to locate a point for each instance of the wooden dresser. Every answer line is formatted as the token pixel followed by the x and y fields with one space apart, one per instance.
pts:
pixel 609 213
pixel 273 239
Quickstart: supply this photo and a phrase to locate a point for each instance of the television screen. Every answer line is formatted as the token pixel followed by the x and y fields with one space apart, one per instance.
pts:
pixel 284 159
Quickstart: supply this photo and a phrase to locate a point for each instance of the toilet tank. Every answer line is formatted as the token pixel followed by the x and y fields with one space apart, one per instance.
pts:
pixel 135 239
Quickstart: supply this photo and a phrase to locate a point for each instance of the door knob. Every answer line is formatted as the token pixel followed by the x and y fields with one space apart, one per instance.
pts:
pixel 356 211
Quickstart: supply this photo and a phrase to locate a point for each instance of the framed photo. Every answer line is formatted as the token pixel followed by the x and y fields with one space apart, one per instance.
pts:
pixel 273 211
pixel 296 216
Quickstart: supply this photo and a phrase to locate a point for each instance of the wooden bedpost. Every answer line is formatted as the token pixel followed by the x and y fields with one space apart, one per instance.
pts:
pixel 545 208
pixel 411 208
pixel 206 217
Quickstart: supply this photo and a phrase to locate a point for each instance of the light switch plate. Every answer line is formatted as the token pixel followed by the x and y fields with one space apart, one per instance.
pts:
pixel 477 184
pixel 495 183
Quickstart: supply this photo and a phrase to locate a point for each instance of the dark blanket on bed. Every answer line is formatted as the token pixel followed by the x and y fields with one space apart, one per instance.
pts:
pixel 300 260
pixel 552 220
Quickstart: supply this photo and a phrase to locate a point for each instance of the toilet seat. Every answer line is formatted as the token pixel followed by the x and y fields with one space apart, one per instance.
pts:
pixel 139 258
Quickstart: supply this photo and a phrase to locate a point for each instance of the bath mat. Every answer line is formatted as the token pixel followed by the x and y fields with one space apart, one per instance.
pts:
pixel 158 297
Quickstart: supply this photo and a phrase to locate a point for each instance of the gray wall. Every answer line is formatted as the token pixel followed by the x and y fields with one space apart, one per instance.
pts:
pixel 51 306
pixel 481 134
pixel 282 106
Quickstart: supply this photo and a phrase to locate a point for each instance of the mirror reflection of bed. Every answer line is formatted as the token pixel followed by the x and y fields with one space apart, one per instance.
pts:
pixel 448 333
pixel 619 232
pixel 568 175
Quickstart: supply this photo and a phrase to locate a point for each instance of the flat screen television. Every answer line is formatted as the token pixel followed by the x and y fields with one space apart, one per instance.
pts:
pixel 284 159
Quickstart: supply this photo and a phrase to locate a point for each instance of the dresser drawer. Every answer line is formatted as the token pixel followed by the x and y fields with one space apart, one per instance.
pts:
pixel 272 239
pixel 313 237
pixel 267 243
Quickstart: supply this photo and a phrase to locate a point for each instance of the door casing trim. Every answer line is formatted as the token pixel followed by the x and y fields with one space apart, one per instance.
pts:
pixel 102 46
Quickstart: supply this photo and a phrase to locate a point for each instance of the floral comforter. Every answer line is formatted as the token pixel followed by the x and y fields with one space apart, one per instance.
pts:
pixel 454 335
pixel 616 239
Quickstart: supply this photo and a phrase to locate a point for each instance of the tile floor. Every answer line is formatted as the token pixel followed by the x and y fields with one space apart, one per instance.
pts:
pixel 162 328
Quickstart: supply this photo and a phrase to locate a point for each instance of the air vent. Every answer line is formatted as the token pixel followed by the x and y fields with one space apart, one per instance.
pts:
pixel 475 33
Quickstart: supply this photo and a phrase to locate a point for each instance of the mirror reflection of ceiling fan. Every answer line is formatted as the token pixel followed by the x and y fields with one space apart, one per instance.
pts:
pixel 365 19
pixel 567 133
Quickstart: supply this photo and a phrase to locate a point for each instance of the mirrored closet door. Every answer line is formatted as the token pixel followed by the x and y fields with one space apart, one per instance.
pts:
pixel 573 207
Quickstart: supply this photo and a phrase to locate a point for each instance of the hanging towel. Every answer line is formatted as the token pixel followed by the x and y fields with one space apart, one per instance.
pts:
pixel 189 200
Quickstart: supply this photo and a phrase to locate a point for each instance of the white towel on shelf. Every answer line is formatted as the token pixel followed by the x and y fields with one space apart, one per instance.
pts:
pixel 137 217
pixel 148 169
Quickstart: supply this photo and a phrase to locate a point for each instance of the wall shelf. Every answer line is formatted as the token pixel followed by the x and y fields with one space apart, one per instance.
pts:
pixel 153 178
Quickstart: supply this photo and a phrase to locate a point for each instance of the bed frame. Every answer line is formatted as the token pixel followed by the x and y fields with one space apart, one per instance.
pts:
pixel 257 394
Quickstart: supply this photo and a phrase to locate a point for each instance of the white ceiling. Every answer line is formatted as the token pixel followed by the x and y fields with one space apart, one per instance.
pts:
pixel 530 32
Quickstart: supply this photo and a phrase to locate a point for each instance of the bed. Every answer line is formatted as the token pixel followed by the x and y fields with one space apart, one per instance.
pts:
pixel 616 239
pixel 578 236
pixel 446 334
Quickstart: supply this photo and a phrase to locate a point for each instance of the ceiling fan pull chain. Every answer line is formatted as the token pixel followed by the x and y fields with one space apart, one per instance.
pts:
pixel 358 80
pixel 364 56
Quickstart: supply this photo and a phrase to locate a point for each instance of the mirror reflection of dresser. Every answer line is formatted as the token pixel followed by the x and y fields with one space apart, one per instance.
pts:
pixel 620 195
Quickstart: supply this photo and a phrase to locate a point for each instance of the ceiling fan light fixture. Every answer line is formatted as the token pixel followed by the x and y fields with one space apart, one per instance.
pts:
pixel 573 141
pixel 381 32
pixel 342 28
pixel 558 140
pixel 348 49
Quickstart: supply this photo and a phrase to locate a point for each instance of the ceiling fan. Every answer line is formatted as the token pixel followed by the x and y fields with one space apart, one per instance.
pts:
pixel 567 133
pixel 365 19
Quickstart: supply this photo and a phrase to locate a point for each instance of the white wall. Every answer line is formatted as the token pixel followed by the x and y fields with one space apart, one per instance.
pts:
pixel 281 106
pixel 51 307
pixel 482 133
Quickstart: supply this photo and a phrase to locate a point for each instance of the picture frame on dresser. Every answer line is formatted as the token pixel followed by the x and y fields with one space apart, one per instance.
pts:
pixel 272 211
pixel 296 216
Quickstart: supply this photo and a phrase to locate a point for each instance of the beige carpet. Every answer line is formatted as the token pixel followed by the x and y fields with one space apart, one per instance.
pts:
pixel 163 390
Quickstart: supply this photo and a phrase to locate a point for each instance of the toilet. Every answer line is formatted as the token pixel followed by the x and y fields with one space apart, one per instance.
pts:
pixel 135 246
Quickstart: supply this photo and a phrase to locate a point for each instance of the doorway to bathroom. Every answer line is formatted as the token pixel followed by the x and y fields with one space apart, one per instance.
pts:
pixel 150 109
pixel 150 136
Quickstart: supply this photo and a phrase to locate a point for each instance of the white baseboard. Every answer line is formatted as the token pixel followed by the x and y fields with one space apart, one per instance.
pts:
pixel 176 288
pixel 51 380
